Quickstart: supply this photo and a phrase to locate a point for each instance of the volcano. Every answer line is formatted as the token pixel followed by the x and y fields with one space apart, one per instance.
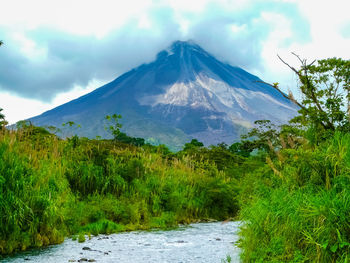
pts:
pixel 185 93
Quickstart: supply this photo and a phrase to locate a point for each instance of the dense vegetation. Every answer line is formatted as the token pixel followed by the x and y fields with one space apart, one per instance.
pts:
pixel 51 188
pixel 290 185
pixel 296 207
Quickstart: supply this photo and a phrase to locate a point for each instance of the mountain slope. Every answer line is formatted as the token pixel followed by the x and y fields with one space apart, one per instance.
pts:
pixel 185 93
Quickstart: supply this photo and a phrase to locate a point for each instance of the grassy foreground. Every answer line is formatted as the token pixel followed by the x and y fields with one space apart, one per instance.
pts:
pixel 295 202
pixel 297 207
pixel 52 188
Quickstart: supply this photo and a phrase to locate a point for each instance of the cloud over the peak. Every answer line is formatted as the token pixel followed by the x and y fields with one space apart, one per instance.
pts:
pixel 43 60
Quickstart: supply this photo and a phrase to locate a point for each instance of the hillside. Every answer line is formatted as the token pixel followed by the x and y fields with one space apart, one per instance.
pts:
pixel 185 93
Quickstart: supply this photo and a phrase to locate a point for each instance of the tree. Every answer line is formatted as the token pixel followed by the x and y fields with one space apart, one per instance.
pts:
pixel 243 148
pixel 69 128
pixel 265 136
pixel 325 86
pixel 3 122
pixel 325 108
pixel 116 125
pixel 53 129
pixel 121 136
pixel 194 144
pixel 23 124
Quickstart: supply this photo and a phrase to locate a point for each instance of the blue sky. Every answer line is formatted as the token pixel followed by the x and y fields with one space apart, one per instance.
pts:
pixel 56 51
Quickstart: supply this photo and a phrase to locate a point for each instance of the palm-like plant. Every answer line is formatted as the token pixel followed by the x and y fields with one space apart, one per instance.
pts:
pixel 3 122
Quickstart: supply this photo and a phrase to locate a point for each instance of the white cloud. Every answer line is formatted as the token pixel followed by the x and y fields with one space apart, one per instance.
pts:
pixel 28 47
pixel 17 108
pixel 82 17
pixel 326 19
pixel 84 39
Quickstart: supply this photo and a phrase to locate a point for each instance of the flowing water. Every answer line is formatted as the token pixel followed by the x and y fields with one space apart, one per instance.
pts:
pixel 202 242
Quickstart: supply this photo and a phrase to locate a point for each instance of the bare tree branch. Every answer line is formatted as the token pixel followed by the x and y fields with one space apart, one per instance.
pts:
pixel 289 66
pixel 309 87
pixel 282 93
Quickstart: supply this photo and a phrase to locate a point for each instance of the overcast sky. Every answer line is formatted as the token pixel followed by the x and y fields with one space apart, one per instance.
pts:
pixel 57 50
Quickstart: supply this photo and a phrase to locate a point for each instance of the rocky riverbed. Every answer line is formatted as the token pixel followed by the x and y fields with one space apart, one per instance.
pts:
pixel 201 242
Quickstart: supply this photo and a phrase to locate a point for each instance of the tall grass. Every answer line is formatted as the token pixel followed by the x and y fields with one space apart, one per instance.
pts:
pixel 303 215
pixel 33 191
pixel 51 188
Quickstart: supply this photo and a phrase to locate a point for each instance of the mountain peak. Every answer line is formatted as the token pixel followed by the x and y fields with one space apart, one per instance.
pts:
pixel 184 44
pixel 186 93
pixel 189 45
pixel 180 48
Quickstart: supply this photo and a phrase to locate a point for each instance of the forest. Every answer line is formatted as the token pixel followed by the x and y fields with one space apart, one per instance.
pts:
pixel 289 184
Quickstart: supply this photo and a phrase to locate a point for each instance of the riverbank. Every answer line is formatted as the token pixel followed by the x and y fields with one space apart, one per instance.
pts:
pixel 53 188
pixel 202 242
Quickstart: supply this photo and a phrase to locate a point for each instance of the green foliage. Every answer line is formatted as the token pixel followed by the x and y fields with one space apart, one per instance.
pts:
pixel 81 238
pixel 119 136
pixel 116 125
pixel 30 189
pixel 53 129
pixel 243 148
pixel 326 89
pixel 3 122
pixel 68 130
pixel 303 215
pixel 194 144
pixel 263 137
pixel 51 187
pixel 122 137
pixel 290 183
pixel 296 207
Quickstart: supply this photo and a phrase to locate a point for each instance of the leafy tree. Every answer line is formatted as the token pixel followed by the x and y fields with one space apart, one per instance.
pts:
pixel 23 124
pixel 163 150
pixel 325 86
pixel 53 129
pixel 68 129
pixel 194 144
pixel 70 124
pixel 116 125
pixel 263 137
pixel 325 108
pixel 123 137
pixel 3 122
pixel 243 148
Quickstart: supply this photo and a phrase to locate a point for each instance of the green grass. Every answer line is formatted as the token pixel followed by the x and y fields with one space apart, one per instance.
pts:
pixel 52 188
pixel 304 214
pixel 295 204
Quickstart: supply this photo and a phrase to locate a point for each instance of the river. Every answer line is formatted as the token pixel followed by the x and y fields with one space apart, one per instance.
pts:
pixel 199 243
